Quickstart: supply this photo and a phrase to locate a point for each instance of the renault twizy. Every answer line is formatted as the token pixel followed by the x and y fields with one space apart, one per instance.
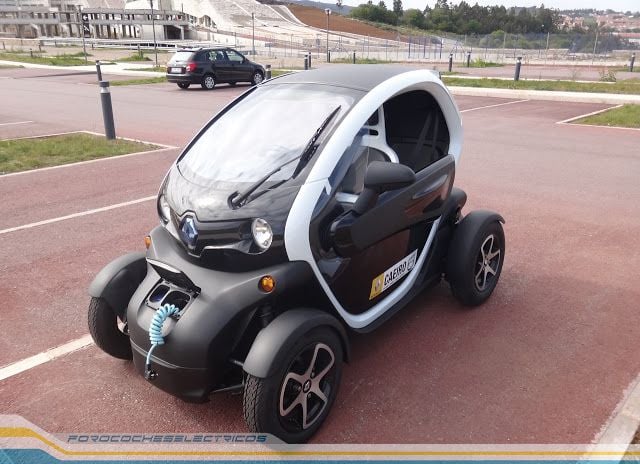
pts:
pixel 314 204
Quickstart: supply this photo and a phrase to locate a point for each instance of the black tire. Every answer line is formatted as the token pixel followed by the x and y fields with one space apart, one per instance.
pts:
pixel 265 399
pixel 103 327
pixel 208 82
pixel 475 259
pixel 257 78
pixel 183 85
pixel 232 84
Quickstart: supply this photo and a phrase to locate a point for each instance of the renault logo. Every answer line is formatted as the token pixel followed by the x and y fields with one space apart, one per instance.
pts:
pixel 188 231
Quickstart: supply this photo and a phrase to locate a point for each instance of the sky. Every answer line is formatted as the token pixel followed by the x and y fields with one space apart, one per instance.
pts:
pixel 618 5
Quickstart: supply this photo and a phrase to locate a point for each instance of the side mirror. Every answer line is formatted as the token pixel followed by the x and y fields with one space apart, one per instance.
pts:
pixel 382 176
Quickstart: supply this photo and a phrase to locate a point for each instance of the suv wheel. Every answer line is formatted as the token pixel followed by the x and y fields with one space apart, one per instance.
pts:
pixel 208 82
pixel 257 78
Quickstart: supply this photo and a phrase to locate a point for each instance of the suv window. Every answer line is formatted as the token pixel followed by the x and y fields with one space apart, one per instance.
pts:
pixel 216 55
pixel 179 57
pixel 234 56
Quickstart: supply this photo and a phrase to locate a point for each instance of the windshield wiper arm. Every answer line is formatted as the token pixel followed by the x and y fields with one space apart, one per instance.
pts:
pixel 311 147
pixel 237 199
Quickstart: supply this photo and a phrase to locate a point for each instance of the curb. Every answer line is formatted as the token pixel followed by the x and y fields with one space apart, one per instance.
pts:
pixel 625 419
pixel 551 95
pixel 106 69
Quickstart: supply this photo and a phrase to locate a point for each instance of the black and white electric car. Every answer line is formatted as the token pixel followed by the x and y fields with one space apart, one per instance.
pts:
pixel 329 214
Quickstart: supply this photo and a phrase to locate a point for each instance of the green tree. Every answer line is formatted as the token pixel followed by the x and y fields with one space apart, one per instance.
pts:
pixel 397 7
pixel 414 18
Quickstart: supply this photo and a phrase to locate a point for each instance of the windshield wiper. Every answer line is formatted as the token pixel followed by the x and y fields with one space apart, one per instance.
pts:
pixel 237 199
pixel 311 147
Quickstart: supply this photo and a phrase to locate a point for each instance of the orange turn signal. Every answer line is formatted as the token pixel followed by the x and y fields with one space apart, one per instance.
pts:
pixel 267 284
pixel 147 241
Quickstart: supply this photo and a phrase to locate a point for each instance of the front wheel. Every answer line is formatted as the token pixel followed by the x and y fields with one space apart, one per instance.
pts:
pixel 475 259
pixel 293 403
pixel 257 78
pixel 108 331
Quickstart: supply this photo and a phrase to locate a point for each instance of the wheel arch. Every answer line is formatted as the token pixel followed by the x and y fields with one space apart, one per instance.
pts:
pixel 118 280
pixel 278 337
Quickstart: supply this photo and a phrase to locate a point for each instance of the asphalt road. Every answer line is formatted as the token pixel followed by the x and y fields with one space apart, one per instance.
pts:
pixel 546 360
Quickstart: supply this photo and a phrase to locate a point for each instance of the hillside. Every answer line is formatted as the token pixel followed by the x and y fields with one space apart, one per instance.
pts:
pixel 317 18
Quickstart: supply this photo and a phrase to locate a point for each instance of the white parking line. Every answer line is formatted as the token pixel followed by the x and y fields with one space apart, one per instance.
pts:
pixel 15 123
pixel 493 106
pixel 44 357
pixel 593 113
pixel 75 215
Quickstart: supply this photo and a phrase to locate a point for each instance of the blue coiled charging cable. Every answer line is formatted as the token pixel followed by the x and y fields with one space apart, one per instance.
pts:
pixel 155 334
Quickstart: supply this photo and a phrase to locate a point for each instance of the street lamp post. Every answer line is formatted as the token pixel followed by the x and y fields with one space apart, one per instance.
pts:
pixel 253 34
pixel 328 12
pixel 153 27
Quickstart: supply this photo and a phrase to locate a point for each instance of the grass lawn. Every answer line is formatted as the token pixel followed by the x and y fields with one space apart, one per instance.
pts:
pixel 161 69
pixel 148 80
pixel 480 63
pixel 625 116
pixel 9 66
pixel 135 57
pixel 628 86
pixel 75 59
pixel 25 154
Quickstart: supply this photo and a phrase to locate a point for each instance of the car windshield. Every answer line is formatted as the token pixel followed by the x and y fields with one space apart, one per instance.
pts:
pixel 266 129
pixel 181 56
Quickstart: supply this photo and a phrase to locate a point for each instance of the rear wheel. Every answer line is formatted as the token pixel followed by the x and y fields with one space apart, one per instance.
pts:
pixel 183 85
pixel 208 82
pixel 108 331
pixel 293 403
pixel 232 84
pixel 475 259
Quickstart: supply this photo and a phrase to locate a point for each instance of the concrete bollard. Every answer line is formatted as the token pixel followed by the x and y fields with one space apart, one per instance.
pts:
pixel 107 111
pixel 631 63
pixel 450 61
pixel 98 70
pixel 518 65
pixel 468 59
pixel 267 71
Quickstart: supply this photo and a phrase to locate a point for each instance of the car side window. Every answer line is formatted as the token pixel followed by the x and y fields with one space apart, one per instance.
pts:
pixel 353 182
pixel 216 55
pixel 416 129
pixel 234 56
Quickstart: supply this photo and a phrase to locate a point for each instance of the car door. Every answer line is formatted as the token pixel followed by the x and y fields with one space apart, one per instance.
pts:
pixel 241 67
pixel 221 65
pixel 378 249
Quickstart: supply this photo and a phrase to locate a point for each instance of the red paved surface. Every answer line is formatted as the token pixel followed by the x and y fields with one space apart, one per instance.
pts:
pixel 545 360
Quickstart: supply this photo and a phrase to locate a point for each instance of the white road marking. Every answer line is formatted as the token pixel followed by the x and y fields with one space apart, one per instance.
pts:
pixel 493 106
pixel 76 215
pixel 15 123
pixel 593 113
pixel 44 357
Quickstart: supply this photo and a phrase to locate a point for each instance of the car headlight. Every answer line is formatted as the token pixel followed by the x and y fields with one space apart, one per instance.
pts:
pixel 164 210
pixel 262 233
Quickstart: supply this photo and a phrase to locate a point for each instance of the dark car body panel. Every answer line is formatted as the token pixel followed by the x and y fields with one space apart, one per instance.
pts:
pixel 223 69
